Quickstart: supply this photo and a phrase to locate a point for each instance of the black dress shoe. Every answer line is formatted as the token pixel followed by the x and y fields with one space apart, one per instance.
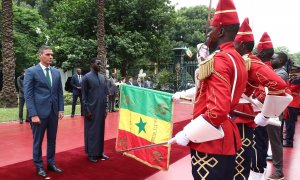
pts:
pixel 92 159
pixel 21 121
pixel 27 120
pixel 72 115
pixel 104 157
pixel 41 172
pixel 54 168
pixel 287 145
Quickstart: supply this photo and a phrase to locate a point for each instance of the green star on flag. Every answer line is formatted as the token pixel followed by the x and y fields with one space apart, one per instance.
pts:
pixel 141 125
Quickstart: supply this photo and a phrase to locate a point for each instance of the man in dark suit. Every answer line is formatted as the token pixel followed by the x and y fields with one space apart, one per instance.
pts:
pixel 130 81
pixel 44 99
pixel 76 87
pixel 20 80
pixel 113 92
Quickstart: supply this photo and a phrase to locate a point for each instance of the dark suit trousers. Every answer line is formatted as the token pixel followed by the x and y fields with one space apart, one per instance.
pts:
pixel 291 124
pixel 75 97
pixel 21 107
pixel 50 124
pixel 111 102
pixel 274 134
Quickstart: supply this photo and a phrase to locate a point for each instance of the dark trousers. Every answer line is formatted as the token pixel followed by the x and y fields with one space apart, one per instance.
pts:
pixel 111 102
pixel 243 158
pixel 274 134
pixel 291 124
pixel 212 166
pixel 75 97
pixel 21 107
pixel 260 149
pixel 50 123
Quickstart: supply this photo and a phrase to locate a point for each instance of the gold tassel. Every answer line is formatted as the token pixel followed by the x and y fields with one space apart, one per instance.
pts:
pixel 206 68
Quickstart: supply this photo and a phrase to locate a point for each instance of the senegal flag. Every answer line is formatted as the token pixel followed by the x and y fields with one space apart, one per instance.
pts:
pixel 189 52
pixel 145 118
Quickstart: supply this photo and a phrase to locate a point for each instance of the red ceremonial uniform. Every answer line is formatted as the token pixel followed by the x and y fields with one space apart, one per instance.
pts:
pixel 213 100
pixel 260 93
pixel 295 89
pixel 260 75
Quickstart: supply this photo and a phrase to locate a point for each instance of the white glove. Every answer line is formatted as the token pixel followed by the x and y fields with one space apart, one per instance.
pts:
pixel 274 122
pixel 188 93
pixel 176 96
pixel 180 138
pixel 261 120
pixel 202 52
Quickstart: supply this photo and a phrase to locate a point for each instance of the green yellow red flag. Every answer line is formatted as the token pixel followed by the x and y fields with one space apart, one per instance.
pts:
pixel 189 53
pixel 145 118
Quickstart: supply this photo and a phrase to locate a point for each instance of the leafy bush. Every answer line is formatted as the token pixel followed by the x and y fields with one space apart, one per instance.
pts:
pixel 165 81
pixel 68 98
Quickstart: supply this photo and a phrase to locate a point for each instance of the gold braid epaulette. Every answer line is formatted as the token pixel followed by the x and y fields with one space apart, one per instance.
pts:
pixel 206 68
pixel 247 61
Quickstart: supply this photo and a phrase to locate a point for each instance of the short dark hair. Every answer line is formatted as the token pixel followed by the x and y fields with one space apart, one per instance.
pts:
pixel 283 56
pixel 93 60
pixel 43 48
pixel 249 45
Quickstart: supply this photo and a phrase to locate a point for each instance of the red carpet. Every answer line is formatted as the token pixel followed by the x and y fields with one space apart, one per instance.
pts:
pixel 76 166
pixel 16 153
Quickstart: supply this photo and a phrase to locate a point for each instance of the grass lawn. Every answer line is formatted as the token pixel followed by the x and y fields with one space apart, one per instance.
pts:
pixel 12 114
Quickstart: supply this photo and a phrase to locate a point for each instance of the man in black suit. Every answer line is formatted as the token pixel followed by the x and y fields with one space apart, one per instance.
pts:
pixel 130 80
pixel 20 80
pixel 113 92
pixel 76 87
pixel 45 103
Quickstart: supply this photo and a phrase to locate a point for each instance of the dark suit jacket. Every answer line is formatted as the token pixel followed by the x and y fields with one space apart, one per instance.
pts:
pixel 40 97
pixel 112 88
pixel 75 83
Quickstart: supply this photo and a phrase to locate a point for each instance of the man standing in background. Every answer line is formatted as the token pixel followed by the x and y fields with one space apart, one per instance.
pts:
pixel 113 92
pixel 274 132
pixel 20 80
pixel 76 87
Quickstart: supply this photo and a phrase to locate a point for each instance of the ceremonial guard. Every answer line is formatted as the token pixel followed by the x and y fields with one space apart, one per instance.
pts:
pixel 259 74
pixel 212 135
pixel 274 100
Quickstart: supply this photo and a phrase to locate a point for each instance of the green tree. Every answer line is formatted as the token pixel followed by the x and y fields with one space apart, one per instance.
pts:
pixel 190 27
pixel 73 35
pixel 30 32
pixel 282 49
pixel 44 7
pixel 135 31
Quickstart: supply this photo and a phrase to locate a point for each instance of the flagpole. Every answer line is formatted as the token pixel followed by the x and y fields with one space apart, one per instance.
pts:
pixel 143 147
pixel 208 17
